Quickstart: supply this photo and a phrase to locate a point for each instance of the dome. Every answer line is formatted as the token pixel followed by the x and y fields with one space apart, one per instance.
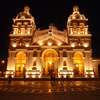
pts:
pixel 25 14
pixel 76 14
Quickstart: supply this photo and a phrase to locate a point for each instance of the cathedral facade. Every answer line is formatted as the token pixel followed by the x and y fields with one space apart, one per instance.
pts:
pixel 39 53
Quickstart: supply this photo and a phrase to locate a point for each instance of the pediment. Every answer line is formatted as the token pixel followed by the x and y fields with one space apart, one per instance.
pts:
pixel 56 36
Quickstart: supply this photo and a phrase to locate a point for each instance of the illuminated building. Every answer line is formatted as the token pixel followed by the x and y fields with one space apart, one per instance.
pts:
pixel 35 53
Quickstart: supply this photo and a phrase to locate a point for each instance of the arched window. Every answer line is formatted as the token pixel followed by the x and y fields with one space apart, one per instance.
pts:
pixel 50 59
pixel 34 63
pixel 21 58
pixel 20 62
pixel 78 58
pixel 64 54
pixel 78 62
pixel 35 54
pixel 64 63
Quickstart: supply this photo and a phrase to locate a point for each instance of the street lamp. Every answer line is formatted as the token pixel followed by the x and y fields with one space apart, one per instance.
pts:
pixel 2 62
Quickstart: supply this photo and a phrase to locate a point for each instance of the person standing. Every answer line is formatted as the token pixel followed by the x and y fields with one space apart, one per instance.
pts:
pixel 9 79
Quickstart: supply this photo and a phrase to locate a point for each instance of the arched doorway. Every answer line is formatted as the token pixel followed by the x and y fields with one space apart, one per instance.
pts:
pixel 78 61
pixel 20 63
pixel 50 61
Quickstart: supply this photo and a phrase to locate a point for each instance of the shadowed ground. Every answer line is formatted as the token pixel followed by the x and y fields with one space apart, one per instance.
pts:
pixel 47 90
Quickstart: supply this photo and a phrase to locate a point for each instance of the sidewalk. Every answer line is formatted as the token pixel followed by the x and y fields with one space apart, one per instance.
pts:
pixel 48 79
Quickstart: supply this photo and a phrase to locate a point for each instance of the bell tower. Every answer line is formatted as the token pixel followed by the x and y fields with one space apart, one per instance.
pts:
pixel 79 38
pixel 77 26
pixel 21 41
pixel 23 29
pixel 24 23
pixel 77 23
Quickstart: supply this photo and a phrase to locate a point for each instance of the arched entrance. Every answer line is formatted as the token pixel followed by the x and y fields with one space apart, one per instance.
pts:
pixel 50 61
pixel 20 63
pixel 78 61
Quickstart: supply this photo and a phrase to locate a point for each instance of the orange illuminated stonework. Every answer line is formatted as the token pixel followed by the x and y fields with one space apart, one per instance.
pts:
pixel 37 53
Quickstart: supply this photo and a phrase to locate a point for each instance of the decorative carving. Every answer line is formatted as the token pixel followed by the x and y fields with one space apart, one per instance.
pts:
pixel 77 22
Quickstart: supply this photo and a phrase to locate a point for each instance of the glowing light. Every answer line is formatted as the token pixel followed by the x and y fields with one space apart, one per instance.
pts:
pixel 26 72
pixel 86 76
pixel 71 76
pixel 92 76
pixel 33 76
pixel 2 61
pixel 32 72
pixel 85 44
pixel 91 72
pixel 6 76
pixel 14 45
pixel 49 90
pixel 49 43
pixel 40 43
pixel 25 23
pixel 27 76
pixel 39 68
pixel 64 76
pixel 73 17
pixel 7 72
pixel 86 72
pixel 89 68
pixel 64 72
pixel 72 44
pixel 70 68
pixel 59 43
pixel 59 76
pixel 12 72
pixel 77 65
pixel 12 76
pixel 27 44
pixel 50 62
pixel 28 31
pixel 81 17
pixel 39 76
pixel 77 83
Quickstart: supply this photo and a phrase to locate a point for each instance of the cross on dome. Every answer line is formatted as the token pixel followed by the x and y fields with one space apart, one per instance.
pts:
pixel 26 10
pixel 75 9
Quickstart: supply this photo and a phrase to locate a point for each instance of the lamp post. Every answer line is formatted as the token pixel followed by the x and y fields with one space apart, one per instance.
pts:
pixel 2 63
pixel 24 71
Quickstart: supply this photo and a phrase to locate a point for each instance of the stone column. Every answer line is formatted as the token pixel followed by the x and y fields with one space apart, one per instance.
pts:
pixel 11 60
pixel 29 63
pixel 60 59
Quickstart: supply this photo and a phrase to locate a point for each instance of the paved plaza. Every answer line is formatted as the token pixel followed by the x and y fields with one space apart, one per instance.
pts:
pixel 50 90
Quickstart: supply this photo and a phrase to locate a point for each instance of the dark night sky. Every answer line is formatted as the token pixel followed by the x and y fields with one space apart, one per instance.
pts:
pixel 46 12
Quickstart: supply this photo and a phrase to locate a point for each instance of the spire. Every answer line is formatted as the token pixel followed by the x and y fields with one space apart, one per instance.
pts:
pixel 75 9
pixel 26 10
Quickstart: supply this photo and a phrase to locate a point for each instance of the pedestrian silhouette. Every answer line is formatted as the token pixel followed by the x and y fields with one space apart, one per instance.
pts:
pixel 9 79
